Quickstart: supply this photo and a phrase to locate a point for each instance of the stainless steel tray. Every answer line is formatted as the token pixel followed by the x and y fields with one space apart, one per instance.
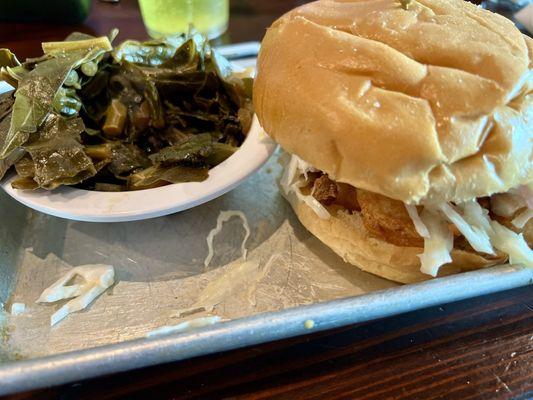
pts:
pixel 289 285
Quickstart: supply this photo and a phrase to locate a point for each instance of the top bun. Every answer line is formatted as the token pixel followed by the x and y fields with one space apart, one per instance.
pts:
pixel 429 104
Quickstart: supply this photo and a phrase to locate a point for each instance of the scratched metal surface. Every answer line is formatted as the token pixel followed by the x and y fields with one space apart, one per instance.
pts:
pixel 160 272
pixel 288 277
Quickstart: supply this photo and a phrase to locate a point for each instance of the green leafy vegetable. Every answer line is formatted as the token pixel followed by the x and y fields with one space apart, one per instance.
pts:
pixel 88 44
pixel 72 80
pixel 25 167
pixel 35 94
pixel 27 183
pixel 158 175
pixel 58 156
pixel 90 68
pixel 8 59
pixel 66 102
pixel 151 53
pixel 194 151
pixel 13 75
pixel 126 159
pixel 25 174
pixel 6 104
pixel 95 86
pixel 142 115
pixel 219 153
pixel 8 162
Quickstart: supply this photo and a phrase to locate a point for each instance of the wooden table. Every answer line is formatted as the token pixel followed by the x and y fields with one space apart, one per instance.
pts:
pixel 475 349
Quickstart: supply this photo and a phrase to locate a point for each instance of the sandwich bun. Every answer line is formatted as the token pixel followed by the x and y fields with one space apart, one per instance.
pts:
pixel 425 105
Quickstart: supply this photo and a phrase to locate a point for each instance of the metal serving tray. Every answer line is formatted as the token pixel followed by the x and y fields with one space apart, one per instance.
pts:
pixel 289 285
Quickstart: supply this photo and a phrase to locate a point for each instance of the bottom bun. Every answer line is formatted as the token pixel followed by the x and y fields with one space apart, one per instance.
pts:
pixel 346 235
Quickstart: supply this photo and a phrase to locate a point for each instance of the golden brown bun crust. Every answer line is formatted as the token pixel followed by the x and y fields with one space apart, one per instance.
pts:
pixel 412 104
pixel 346 235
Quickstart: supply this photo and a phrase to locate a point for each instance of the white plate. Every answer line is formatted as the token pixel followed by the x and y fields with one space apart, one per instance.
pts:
pixel 91 206
pixel 85 205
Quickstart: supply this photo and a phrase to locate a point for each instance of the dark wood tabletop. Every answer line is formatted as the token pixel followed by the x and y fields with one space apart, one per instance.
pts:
pixel 480 348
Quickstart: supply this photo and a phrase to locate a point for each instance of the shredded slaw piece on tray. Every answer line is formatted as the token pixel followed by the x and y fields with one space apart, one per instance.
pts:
pixel 225 216
pixel 97 279
pixel 185 326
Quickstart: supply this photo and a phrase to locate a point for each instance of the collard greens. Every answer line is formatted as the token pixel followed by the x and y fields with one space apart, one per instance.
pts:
pixel 140 115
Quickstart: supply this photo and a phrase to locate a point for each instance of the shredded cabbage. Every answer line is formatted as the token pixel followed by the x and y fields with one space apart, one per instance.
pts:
pixel 295 168
pixel 289 175
pixel 476 215
pixel 502 238
pixel 225 216
pixel 437 245
pixel 292 181
pixel 512 244
pixel 421 229
pixel 96 280
pixel 522 219
pixel 315 205
pixel 472 230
